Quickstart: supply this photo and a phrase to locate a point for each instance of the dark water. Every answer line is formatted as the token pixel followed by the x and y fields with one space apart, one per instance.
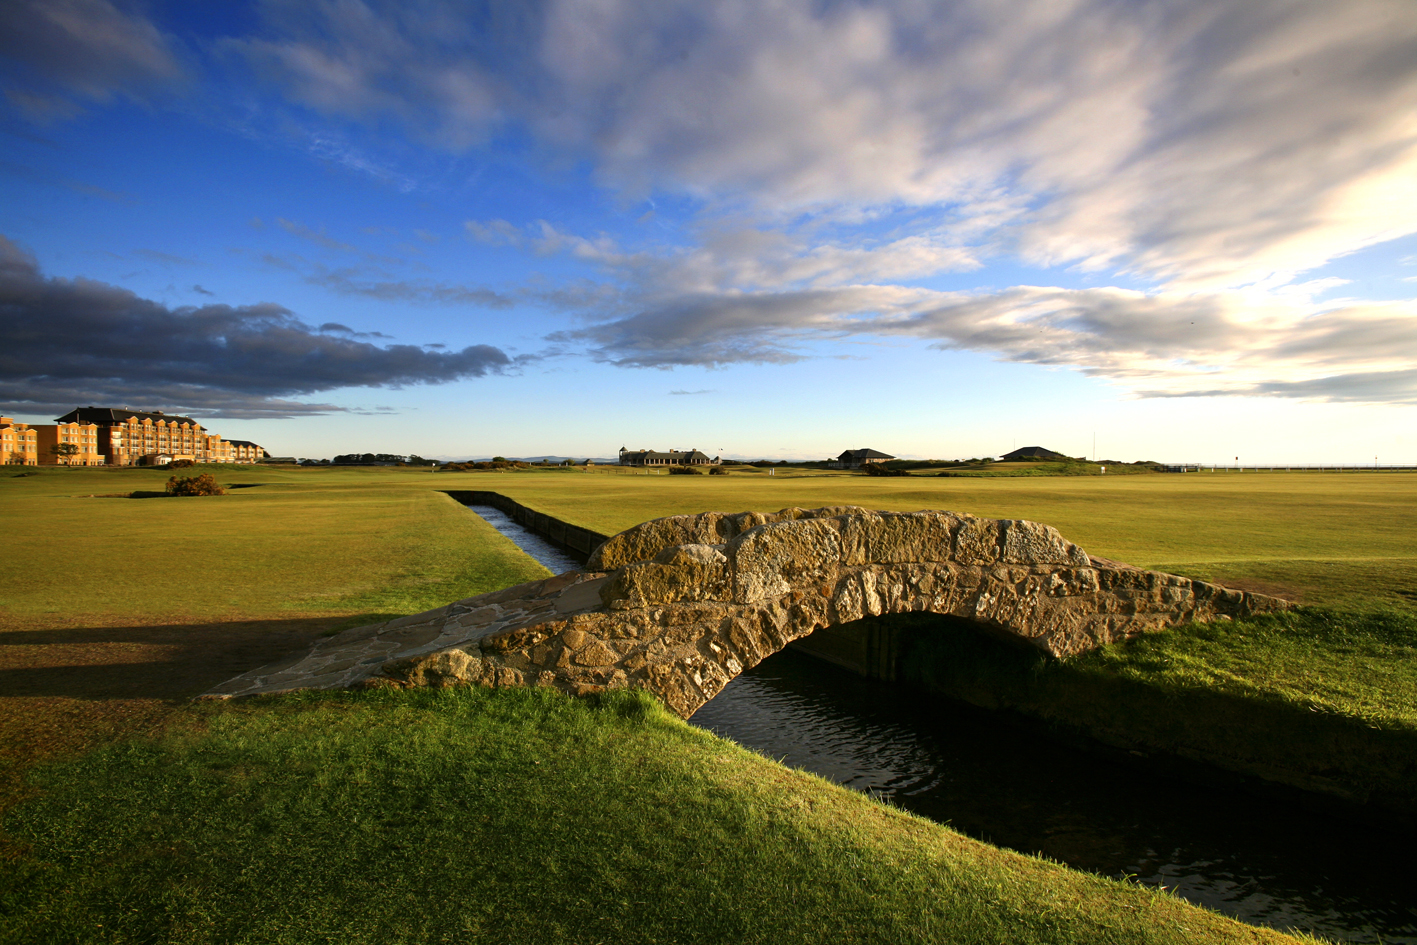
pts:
pixel 1260 861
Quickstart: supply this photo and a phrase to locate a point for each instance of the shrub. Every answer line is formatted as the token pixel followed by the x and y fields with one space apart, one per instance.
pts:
pixel 717 471
pixel 194 485
pixel 876 469
pixel 683 471
pixel 181 464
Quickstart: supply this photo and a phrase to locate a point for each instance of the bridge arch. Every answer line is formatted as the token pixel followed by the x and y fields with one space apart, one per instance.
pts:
pixel 681 605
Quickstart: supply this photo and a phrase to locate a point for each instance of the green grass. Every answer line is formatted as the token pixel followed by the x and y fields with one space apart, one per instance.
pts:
pixel 282 543
pixel 1336 539
pixel 470 815
pixel 1318 699
pixel 380 540
pixel 425 816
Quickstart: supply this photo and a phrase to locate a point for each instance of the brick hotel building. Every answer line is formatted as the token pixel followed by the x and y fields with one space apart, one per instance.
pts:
pixel 108 436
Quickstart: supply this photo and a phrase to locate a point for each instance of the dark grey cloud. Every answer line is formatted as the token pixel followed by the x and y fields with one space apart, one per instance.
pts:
pixel 346 330
pixel 81 341
pixel 1363 387
pixel 716 329
pixel 1153 344
pixel 90 48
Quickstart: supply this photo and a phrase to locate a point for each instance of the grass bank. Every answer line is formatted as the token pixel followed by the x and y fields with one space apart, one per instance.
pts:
pixel 515 816
pixel 1318 700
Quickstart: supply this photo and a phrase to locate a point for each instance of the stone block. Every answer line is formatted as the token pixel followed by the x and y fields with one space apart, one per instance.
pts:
pixel 1032 543
pixel 769 559
pixel 977 541
pixel 679 573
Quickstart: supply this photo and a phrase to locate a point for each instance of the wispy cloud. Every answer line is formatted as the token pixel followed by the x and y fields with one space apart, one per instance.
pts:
pixel 1202 143
pixel 167 259
pixel 77 186
pixel 690 393
pixel 318 237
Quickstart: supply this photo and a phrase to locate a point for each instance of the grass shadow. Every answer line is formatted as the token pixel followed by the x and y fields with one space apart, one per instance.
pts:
pixel 65 689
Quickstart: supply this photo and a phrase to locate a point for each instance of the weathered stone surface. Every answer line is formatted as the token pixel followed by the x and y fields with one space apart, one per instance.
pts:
pixel 681 605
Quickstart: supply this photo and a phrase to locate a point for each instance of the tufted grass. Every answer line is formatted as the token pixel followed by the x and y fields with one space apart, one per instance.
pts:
pixel 469 815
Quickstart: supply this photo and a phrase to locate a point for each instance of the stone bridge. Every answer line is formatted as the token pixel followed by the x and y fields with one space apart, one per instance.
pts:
pixel 681 605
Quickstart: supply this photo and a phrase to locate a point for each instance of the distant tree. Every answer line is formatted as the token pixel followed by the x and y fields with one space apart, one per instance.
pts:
pixel 499 459
pixel 64 452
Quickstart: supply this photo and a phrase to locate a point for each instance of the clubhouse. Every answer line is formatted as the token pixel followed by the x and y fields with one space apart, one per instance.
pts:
pixel 671 458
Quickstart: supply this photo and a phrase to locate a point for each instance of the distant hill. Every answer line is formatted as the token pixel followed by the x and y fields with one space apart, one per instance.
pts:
pixel 1031 453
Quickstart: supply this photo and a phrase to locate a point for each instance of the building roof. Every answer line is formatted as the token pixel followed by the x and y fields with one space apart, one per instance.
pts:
pixel 107 416
pixel 245 443
pixel 678 456
pixel 1032 452
pixel 864 454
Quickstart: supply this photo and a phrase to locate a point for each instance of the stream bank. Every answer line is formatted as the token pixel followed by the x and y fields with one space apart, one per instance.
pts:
pixel 1270 861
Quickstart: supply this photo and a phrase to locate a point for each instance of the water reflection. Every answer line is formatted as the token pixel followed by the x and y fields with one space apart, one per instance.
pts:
pixel 545 551
pixel 1261 862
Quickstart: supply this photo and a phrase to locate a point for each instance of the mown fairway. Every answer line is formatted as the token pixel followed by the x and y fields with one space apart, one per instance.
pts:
pixel 384 540
pixel 1343 539
pixel 280 544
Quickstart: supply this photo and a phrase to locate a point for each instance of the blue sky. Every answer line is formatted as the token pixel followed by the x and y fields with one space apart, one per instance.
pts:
pixel 1184 229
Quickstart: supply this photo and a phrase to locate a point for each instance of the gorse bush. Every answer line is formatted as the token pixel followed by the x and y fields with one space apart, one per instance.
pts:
pixel 682 471
pixel 194 485
pixel 181 464
pixel 717 471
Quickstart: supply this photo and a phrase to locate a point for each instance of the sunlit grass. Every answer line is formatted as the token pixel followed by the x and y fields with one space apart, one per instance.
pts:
pixel 279 544
pixel 516 816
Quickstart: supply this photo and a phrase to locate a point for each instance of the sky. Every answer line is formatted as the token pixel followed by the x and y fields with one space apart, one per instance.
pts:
pixel 1179 230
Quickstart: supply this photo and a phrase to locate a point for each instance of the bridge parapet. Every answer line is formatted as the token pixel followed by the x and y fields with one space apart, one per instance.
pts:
pixel 681 605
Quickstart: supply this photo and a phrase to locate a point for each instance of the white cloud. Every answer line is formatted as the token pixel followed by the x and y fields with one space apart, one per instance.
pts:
pixel 1199 142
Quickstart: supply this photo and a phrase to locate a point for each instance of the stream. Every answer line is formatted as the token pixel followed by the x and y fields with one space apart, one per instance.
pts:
pixel 1259 860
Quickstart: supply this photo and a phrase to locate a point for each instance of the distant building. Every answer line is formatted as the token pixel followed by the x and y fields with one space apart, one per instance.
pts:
pixel 244 451
pixel 18 443
pixel 126 437
pixel 1033 453
pixel 82 436
pixel 671 458
pixel 855 459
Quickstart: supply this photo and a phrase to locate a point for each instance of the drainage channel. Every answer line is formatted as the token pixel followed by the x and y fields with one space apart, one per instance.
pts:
pixel 1259 861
